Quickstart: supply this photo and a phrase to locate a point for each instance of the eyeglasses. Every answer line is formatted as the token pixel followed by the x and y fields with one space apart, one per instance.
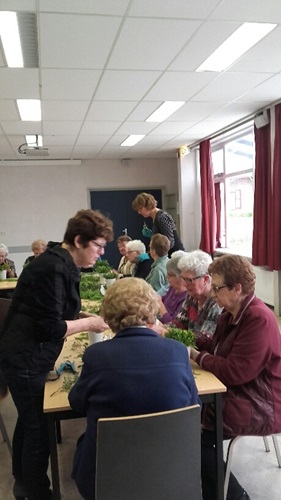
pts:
pixel 101 247
pixel 217 288
pixel 190 280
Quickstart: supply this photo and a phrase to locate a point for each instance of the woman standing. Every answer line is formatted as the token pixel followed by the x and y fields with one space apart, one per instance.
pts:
pixel 43 313
pixel 163 223
pixel 245 354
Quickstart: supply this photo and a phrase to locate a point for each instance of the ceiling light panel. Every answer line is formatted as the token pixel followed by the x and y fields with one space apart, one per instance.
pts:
pixel 132 140
pixel 10 37
pixel 29 109
pixel 236 45
pixel 165 110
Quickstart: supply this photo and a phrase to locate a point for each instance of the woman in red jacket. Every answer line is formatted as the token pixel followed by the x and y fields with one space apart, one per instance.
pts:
pixel 245 354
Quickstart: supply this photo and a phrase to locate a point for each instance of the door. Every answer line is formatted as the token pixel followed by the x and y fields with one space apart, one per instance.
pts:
pixel 117 205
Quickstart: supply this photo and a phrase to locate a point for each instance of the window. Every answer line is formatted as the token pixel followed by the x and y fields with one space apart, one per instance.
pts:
pixel 233 161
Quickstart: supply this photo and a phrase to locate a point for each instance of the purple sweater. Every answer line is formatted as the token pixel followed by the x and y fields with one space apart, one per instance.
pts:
pixel 172 301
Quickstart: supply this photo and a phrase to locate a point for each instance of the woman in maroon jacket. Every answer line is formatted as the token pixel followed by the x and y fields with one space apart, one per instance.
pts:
pixel 245 354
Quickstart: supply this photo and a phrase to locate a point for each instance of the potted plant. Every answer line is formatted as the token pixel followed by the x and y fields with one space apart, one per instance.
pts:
pixel 110 278
pixel 187 337
pixel 3 270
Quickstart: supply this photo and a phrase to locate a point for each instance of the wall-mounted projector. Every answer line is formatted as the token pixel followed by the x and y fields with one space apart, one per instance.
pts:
pixel 36 151
pixel 33 149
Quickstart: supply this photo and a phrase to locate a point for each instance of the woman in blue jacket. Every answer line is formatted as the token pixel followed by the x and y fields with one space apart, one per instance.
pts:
pixel 136 372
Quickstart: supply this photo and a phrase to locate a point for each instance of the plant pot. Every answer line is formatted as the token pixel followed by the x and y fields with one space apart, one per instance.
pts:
pixel 95 337
pixel 3 274
pixel 110 282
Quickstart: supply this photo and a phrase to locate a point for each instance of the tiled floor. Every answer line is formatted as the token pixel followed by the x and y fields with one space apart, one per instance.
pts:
pixel 256 470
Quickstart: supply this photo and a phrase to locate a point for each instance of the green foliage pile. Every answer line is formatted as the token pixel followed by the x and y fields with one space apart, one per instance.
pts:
pixel 102 267
pixel 90 287
pixel 187 337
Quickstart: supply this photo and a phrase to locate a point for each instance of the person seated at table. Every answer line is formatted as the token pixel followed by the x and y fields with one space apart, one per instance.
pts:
pixel 45 310
pixel 157 277
pixel 37 247
pixel 11 269
pixel 171 302
pixel 125 267
pixel 137 255
pixel 245 354
pixel 137 372
pixel 199 311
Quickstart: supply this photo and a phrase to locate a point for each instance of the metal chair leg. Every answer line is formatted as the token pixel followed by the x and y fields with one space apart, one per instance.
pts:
pixel 5 434
pixel 277 450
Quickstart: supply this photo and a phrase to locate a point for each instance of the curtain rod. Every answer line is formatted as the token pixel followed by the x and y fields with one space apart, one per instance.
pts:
pixel 234 125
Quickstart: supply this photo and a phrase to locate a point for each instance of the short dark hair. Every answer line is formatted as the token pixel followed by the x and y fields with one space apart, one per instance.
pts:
pixel 160 244
pixel 88 225
pixel 122 238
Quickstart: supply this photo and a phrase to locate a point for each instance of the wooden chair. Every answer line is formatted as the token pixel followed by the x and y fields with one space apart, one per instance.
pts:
pixel 230 454
pixel 155 456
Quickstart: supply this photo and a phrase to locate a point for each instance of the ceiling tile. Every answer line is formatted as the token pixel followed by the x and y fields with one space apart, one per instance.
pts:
pixel 67 84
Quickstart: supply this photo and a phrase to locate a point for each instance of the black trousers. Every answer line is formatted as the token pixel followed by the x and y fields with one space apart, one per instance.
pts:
pixel 30 440
pixel 208 470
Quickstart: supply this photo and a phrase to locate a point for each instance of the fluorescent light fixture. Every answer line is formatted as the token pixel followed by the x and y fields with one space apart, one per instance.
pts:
pixel 236 45
pixel 34 140
pixel 29 110
pixel 132 140
pixel 9 32
pixel 165 110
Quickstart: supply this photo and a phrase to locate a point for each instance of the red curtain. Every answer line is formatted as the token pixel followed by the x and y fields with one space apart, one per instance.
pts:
pixel 275 246
pixel 218 213
pixel 262 198
pixel 208 219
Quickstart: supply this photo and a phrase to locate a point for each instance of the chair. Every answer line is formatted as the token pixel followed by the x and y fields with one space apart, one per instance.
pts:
pixel 230 453
pixel 155 456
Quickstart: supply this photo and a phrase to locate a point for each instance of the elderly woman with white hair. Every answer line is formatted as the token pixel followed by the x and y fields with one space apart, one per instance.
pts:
pixel 11 270
pixel 136 254
pixel 199 311
pixel 171 302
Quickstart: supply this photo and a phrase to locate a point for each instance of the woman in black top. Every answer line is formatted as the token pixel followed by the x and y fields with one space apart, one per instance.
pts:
pixel 163 223
pixel 44 311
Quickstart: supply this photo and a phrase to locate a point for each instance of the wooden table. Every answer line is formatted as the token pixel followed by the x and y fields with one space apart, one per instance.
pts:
pixel 8 284
pixel 57 407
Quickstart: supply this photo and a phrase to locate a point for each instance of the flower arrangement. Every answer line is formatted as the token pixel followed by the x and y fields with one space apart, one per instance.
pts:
pixel 187 337
pixel 4 266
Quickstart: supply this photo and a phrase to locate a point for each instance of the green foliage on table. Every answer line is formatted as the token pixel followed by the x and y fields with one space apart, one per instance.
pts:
pixel 4 266
pixel 187 337
pixel 110 276
pixel 102 267
pixel 90 287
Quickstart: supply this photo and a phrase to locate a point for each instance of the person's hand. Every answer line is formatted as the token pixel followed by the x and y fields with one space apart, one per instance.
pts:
pixel 193 354
pixel 96 324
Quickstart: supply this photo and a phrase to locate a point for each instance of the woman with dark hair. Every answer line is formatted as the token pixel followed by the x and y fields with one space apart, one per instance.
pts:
pixel 245 354
pixel 163 223
pixel 44 311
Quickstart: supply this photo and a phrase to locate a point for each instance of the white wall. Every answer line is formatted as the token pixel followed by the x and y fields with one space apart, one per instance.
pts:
pixel 37 198
pixel 189 200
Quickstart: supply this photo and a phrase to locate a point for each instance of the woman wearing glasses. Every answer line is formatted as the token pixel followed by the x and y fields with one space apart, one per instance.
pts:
pixel 199 312
pixel 245 354
pixel 44 311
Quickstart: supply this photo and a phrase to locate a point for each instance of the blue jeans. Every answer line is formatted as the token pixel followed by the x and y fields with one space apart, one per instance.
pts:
pixel 30 440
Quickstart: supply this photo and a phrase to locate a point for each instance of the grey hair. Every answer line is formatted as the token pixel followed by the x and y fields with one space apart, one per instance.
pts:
pixel 197 262
pixel 172 264
pixel 3 247
pixel 136 245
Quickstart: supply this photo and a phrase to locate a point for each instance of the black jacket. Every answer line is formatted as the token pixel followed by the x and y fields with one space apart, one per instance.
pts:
pixel 47 294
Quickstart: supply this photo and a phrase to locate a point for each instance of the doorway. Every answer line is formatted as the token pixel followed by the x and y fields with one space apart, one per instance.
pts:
pixel 117 205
